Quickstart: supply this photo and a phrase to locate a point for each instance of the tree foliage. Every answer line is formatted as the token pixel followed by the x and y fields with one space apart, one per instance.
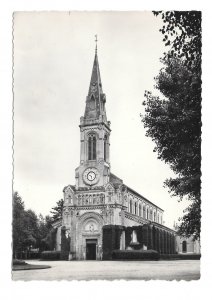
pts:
pixel 174 121
pixel 44 230
pixel 24 225
pixel 182 31
pixel 57 210
pixel 29 230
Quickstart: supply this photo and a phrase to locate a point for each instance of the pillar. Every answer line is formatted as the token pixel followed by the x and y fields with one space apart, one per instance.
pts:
pixel 122 242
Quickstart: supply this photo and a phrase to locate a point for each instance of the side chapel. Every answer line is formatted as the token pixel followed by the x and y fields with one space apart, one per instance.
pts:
pixel 99 199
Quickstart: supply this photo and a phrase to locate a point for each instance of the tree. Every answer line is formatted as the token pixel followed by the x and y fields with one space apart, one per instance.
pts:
pixel 44 229
pixel 182 31
pixel 18 222
pixel 174 122
pixel 30 230
pixel 57 211
pixel 25 227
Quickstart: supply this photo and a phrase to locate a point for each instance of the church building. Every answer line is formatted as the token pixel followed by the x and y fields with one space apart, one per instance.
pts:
pixel 100 201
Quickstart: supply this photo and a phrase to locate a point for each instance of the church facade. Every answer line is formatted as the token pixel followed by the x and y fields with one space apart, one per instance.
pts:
pixel 99 199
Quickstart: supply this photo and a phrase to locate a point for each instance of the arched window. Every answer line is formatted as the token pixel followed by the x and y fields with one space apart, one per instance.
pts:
pixel 184 246
pixel 147 213
pixel 154 216
pixel 158 218
pixel 139 210
pixel 135 208
pixel 150 214
pixel 144 212
pixel 105 148
pixel 130 206
pixel 92 147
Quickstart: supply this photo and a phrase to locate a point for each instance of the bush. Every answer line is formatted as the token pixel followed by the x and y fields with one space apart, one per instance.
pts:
pixel 50 255
pixel 64 255
pixel 34 255
pixel 135 255
pixel 18 262
pixel 192 256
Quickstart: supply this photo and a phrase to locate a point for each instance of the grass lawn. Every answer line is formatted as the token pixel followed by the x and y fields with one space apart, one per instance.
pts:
pixel 26 266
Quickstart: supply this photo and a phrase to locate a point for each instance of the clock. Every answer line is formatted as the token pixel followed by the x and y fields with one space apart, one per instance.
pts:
pixel 91 176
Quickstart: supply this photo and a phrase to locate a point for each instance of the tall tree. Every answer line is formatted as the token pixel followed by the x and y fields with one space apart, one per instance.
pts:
pixel 44 230
pixel 182 32
pixel 57 210
pixel 174 122
pixel 18 222
pixel 25 227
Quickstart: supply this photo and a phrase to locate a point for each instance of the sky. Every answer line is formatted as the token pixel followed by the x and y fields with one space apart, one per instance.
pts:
pixel 53 58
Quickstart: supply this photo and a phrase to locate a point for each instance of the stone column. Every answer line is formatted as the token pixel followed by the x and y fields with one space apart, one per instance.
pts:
pixel 73 235
pixel 122 242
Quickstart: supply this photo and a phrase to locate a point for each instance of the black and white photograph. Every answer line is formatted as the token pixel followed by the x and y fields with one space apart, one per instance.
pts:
pixel 107 145
pixel 105 129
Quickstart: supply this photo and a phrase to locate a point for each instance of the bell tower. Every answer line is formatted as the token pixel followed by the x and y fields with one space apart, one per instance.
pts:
pixel 94 169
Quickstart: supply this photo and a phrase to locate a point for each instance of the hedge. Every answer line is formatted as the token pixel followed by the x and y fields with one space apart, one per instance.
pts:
pixel 64 255
pixel 135 255
pixel 18 262
pixel 50 255
pixel 192 256
pixel 111 240
pixel 34 255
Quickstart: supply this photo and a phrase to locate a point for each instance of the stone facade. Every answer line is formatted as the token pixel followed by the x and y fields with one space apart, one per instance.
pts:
pixel 187 245
pixel 98 197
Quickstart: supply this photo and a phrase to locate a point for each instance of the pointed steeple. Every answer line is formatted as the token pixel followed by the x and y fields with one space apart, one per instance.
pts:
pixel 95 83
pixel 95 101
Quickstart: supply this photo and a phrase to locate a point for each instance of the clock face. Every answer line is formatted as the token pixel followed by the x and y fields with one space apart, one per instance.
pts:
pixel 91 176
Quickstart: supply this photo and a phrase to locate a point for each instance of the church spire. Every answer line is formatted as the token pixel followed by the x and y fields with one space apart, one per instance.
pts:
pixel 95 102
pixel 96 43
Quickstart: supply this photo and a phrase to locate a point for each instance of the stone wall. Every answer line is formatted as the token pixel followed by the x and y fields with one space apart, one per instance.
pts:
pixel 190 247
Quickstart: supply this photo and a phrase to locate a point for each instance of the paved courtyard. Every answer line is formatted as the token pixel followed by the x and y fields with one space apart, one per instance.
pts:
pixel 110 270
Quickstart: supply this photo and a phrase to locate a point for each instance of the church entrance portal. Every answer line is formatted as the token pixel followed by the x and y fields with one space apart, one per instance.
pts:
pixel 91 249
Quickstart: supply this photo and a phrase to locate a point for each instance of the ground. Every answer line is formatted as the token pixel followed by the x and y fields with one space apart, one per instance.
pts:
pixel 110 270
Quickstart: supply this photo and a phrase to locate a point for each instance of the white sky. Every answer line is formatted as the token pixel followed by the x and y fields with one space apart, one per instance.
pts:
pixel 53 58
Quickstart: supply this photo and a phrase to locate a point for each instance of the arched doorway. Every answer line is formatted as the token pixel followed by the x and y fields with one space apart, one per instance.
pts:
pixel 91 249
pixel 184 246
pixel 90 236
